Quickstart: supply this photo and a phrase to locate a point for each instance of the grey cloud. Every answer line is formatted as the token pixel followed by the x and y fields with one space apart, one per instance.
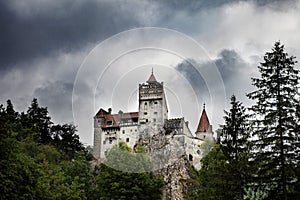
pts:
pixel 191 72
pixel 67 28
pixel 45 29
pixel 57 97
pixel 197 5
pixel 231 67
pixel 230 64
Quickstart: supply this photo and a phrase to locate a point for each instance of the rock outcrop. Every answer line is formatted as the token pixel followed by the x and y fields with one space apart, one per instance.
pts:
pixel 169 160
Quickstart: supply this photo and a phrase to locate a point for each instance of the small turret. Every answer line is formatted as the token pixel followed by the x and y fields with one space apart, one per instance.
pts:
pixel 152 78
pixel 204 129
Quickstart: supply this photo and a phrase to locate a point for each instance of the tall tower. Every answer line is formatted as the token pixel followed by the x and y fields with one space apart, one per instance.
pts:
pixel 153 107
pixel 204 129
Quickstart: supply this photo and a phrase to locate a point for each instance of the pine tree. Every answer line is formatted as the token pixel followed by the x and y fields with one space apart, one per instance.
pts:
pixel 41 121
pixel 212 181
pixel 235 134
pixel 235 144
pixel 276 100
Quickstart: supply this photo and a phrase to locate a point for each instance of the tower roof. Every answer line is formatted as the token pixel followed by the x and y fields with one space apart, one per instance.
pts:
pixel 203 125
pixel 152 78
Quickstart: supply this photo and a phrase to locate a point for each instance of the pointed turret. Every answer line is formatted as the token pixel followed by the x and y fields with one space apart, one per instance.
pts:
pixel 203 125
pixel 204 128
pixel 152 78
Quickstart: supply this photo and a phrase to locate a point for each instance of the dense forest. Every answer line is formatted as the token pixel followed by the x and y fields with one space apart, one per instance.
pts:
pixel 256 155
pixel 43 160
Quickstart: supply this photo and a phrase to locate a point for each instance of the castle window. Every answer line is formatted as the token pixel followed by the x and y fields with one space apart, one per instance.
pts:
pixel 145 113
pixel 190 157
pixel 123 131
pixel 104 142
pixel 110 141
pixel 155 102
pixel 154 120
pixel 109 123
pixel 155 113
pixel 127 139
pixel 107 132
pixel 146 120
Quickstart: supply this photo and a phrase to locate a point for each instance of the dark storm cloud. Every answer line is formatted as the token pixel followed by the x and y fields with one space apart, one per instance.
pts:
pixel 67 27
pixel 188 69
pixel 230 64
pixel 231 67
pixel 39 31
pixel 57 97
pixel 196 5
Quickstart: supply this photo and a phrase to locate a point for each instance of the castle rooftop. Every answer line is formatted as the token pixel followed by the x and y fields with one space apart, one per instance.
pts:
pixel 204 124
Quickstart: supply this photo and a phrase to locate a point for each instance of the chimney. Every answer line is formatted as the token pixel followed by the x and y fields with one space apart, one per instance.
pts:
pixel 109 111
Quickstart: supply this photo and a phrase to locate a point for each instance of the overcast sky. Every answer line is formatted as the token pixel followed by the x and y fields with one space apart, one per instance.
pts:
pixel 77 56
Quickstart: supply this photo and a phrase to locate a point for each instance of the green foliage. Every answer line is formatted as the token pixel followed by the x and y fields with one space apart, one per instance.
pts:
pixel 277 98
pixel 235 134
pixel 236 145
pixel 40 121
pixel 116 184
pixel 225 170
pixel 255 193
pixel 121 157
pixel 33 164
pixel 66 139
pixel 214 178
pixel 206 146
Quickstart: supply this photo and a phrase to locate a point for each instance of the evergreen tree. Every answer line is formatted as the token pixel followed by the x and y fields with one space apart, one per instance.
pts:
pixel 276 98
pixel 214 178
pixel 235 134
pixel 235 144
pixel 33 170
pixel 41 121
pixel 66 139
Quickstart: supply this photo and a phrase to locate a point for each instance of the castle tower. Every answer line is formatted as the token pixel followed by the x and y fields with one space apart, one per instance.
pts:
pixel 204 129
pixel 152 102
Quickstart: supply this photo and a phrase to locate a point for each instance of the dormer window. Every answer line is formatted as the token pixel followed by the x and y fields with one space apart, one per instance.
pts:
pixel 109 123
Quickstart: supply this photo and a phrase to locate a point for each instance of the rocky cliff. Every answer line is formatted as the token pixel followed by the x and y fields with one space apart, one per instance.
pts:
pixel 169 160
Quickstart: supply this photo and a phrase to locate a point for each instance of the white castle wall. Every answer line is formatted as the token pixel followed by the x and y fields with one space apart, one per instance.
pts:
pixel 153 112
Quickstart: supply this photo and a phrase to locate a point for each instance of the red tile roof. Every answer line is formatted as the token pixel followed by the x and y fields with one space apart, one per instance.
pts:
pixel 115 119
pixel 203 125
pixel 101 113
pixel 152 78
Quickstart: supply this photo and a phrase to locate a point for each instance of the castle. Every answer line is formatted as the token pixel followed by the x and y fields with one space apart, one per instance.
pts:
pixel 110 129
